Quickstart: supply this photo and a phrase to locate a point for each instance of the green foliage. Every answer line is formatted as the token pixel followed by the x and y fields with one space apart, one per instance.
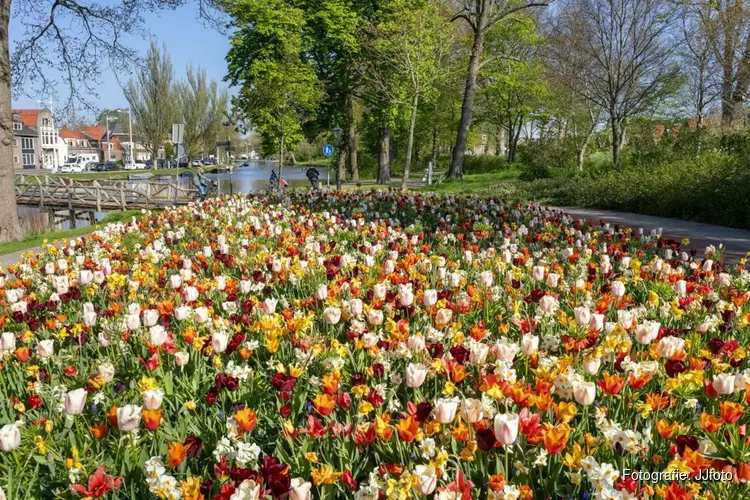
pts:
pixel 484 164
pixel 203 108
pixel 279 90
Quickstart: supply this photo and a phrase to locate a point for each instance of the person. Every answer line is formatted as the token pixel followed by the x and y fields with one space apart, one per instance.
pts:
pixel 274 178
pixel 314 177
pixel 201 182
pixel 284 184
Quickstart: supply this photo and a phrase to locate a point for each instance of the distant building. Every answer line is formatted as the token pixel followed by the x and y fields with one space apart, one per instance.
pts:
pixel 36 140
pixel 121 132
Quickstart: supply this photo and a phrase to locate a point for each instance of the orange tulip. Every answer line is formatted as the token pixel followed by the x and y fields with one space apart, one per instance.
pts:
pixel 730 411
pixel 665 429
pixel 556 437
pixel 408 428
pixel 324 404
pixel 611 384
pixel 112 416
pixel 246 419
pixel 151 418
pixel 99 431
pixel 330 382
pixel 675 492
pixel 176 454
pixel 565 412
pixel 710 423
pixel 460 432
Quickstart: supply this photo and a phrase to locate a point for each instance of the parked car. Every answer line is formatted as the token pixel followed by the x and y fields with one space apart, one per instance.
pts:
pixel 72 168
pixel 209 161
pixel 135 166
pixel 91 166
pixel 106 166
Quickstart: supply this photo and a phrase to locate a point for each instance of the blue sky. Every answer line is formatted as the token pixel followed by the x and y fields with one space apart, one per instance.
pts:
pixel 187 39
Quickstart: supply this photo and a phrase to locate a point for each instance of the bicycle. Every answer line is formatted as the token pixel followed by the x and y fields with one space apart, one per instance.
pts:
pixel 212 191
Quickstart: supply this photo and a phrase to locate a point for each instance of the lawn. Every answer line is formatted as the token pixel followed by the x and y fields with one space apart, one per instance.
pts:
pixel 39 239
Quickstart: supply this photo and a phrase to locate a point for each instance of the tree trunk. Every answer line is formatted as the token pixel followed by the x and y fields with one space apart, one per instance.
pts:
pixel 10 229
pixel 281 157
pixel 467 109
pixel 294 159
pixel 352 137
pixel 616 144
pixel 500 142
pixel 434 146
pixel 699 134
pixel 410 142
pixel 586 141
pixel 384 159
pixel 341 166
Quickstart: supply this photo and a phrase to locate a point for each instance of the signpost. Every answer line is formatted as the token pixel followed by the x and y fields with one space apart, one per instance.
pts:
pixel 178 133
pixel 327 150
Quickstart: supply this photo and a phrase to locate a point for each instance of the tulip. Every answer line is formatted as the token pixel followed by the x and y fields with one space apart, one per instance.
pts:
pixel 45 348
pixel 529 344
pixel 538 273
pixel 669 346
pixel 416 343
pixel 175 281
pixel 647 332
pixel 10 437
pixel 443 317
pixel 597 322
pixel 389 266
pixel 132 322
pixel 85 277
pixel 506 427
pixel 552 280
pixel 200 315
pixel 375 317
pixel 190 294
pixel 426 479
pixel 378 291
pixel 415 375
pixel 89 319
pixel 445 410
pixel 103 339
pixel 182 358
pixel 182 313
pixel 75 401
pixel 723 383
pixel 582 315
pixel 680 287
pixel 429 298
pixel 219 342
pixel 247 490
pixel 269 305
pixel 548 304
pixel 322 292
pixel 625 318
pixel 157 335
pixel 405 295
pixel 128 417
pixel 472 410
pixel 478 353
pixel 584 393
pixel 8 341
pixel 485 278
pixel 356 307
pixel 300 489
pixel 618 289
pixel 455 280
pixel 592 365
pixel 152 399
pixel 106 371
pixel 150 317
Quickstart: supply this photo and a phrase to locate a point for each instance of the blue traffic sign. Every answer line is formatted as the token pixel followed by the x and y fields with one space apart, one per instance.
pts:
pixel 327 150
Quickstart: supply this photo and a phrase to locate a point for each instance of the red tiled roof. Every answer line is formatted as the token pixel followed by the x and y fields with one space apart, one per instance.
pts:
pixel 67 133
pixel 96 132
pixel 28 117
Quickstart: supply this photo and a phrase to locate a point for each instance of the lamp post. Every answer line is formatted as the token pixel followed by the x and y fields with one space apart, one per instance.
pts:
pixel 337 134
pixel 130 132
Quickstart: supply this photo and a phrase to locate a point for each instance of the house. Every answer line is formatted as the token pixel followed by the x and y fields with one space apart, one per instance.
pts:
pixel 121 131
pixel 39 142
pixel 79 142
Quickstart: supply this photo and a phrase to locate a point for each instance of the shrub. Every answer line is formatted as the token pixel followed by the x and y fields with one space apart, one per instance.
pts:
pixel 484 164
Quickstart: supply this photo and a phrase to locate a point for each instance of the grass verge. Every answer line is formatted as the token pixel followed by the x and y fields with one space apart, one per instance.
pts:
pixel 38 239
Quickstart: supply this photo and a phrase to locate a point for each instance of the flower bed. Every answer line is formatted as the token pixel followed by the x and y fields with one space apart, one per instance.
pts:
pixel 372 345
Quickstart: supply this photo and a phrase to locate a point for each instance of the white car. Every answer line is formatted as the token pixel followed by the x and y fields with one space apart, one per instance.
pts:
pixel 135 166
pixel 71 168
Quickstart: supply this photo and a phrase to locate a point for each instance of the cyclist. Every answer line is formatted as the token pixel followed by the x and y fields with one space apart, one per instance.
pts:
pixel 314 177
pixel 201 182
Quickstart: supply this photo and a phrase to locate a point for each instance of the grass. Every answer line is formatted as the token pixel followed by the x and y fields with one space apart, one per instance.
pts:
pixel 117 174
pixel 36 240
pixel 487 183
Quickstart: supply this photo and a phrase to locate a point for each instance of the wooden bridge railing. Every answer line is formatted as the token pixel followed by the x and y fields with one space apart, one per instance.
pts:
pixel 98 194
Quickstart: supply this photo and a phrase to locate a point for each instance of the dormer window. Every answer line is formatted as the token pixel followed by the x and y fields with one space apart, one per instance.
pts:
pixel 17 126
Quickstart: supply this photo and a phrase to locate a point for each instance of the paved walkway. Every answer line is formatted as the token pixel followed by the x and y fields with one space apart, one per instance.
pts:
pixel 736 241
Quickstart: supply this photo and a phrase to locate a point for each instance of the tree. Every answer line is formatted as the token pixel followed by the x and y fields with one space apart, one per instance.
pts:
pixel 726 28
pixel 699 66
pixel 72 39
pixel 278 88
pixel 203 108
pixel 481 16
pixel 152 98
pixel 619 57
pixel 512 87
pixel 115 116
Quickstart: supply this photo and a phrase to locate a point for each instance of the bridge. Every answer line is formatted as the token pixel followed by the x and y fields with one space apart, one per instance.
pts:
pixel 67 199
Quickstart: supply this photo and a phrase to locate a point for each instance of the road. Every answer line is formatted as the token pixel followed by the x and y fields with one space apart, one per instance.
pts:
pixel 736 241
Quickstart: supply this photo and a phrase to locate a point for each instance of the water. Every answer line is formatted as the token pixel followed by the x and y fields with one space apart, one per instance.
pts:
pixel 240 180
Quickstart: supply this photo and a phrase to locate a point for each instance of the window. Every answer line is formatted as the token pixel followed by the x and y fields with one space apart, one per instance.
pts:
pixel 15 141
pixel 71 142
pixel 28 159
pixel 17 126
pixel 15 159
pixel 45 122
pixel 27 142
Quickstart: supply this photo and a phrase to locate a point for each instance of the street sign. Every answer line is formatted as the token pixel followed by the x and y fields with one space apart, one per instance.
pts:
pixel 327 150
pixel 178 131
